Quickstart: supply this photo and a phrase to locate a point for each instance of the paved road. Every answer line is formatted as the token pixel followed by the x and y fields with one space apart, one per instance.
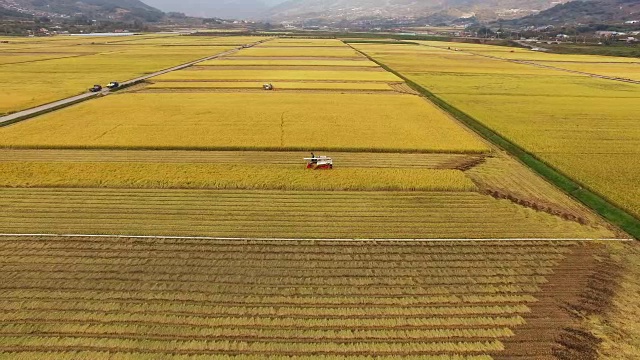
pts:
pixel 33 112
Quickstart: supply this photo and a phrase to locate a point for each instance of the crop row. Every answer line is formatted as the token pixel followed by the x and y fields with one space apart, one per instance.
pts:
pixel 187 347
pixel 217 311
pixel 202 271
pixel 196 212
pixel 200 333
pixel 270 256
pixel 285 297
pixel 290 246
pixel 510 316
pixel 201 267
pixel 133 355
pixel 267 289
pixel 287 280
pixel 311 248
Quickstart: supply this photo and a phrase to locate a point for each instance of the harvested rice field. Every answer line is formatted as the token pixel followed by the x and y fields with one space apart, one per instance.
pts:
pixel 127 298
pixel 280 214
pixel 177 219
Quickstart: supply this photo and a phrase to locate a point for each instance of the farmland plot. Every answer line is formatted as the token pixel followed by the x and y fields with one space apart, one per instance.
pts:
pixel 273 75
pixel 217 169
pixel 272 121
pixel 297 214
pixel 130 298
pixel 279 85
pixel 36 74
pixel 585 127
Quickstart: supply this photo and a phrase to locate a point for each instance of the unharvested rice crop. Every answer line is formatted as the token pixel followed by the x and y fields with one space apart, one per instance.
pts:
pixel 526 54
pixel 583 126
pixel 248 121
pixel 26 85
pixel 22 57
pixel 410 59
pixel 211 176
pixel 283 214
pixel 258 62
pixel 344 52
pixel 194 41
pixel 278 85
pixel 303 43
pixel 273 75
pixel 270 158
pixel 620 70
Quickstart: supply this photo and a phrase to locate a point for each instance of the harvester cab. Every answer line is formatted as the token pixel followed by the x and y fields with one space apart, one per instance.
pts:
pixel 96 88
pixel 319 162
pixel 268 86
pixel 113 85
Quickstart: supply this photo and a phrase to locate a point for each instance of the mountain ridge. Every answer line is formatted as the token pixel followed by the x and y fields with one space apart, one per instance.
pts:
pixel 353 9
pixel 584 12
pixel 94 9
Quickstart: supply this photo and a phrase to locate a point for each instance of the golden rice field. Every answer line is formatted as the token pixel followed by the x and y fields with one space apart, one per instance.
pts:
pixel 284 85
pixel 620 70
pixel 212 240
pixel 272 121
pixel 37 73
pixel 579 125
pixel 416 59
pixel 504 177
pixel 257 62
pixel 194 40
pixel 270 74
pixel 526 54
pixel 146 299
pixel 343 52
pixel 272 158
pixel 284 42
pixel 280 214
pixel 228 176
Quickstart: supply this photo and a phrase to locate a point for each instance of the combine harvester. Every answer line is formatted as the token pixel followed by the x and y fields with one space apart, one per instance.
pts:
pixel 319 162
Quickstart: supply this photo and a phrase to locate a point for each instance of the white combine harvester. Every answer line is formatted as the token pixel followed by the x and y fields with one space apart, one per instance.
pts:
pixel 319 162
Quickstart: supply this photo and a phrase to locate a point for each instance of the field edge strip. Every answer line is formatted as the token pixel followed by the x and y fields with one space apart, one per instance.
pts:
pixel 573 188
pixel 152 237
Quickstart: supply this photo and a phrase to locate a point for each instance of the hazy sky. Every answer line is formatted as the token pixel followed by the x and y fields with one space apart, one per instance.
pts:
pixel 215 8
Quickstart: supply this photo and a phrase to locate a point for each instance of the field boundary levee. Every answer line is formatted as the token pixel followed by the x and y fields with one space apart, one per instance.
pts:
pixel 65 102
pixel 574 188
pixel 216 238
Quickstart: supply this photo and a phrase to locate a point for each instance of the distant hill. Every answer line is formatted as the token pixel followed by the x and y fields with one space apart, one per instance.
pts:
pixel 94 9
pixel 229 9
pixel 353 9
pixel 584 12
